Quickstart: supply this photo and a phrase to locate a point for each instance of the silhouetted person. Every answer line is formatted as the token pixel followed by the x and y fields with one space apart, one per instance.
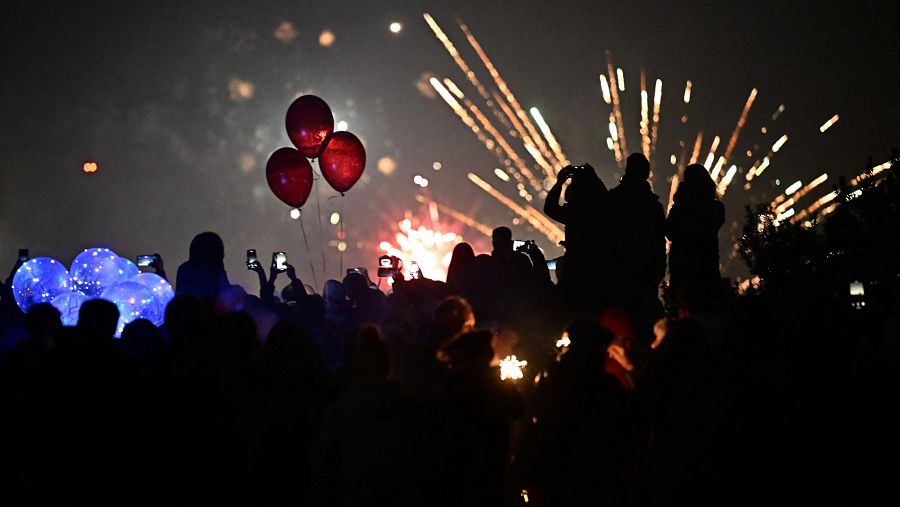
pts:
pixel 475 424
pixel 203 274
pixel 573 453
pixel 508 276
pixel 369 450
pixel 461 275
pixel 637 245
pixel 142 341
pixel 366 303
pixel 693 227
pixel 579 272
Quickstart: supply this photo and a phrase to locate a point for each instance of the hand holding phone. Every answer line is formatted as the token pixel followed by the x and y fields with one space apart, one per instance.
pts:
pixel 279 261
pixel 252 262
pixel 146 260
pixel 23 254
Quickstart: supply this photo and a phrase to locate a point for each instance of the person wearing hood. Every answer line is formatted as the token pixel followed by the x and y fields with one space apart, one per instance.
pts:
pixel 203 275
pixel 636 240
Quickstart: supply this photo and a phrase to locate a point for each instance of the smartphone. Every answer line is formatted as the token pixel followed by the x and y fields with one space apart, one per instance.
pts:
pixel 252 261
pixel 23 254
pixel 279 260
pixel 857 295
pixel 518 244
pixel 363 271
pixel 551 264
pixel 145 260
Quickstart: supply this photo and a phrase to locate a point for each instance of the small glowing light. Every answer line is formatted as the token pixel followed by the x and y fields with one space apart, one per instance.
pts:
pixel 326 38
pixel 763 130
pixel 777 181
pixel 673 159
pixel 687 92
pixel 421 181
pixel 511 368
pixel 335 218
pixel 501 174
pixel 684 118
pixel 620 77
pixel 609 143
pixel 342 246
pixel 613 133
pixel 396 27
pixel 827 125
pixel 564 341
pixel 285 32
pixel 749 153
pixel 295 213
pixel 604 85
pixel 89 167
pixel 779 143
pixel 386 165
pixel 240 90
pixel 854 194
pixel 778 112
pixel 436 166
pixel 793 188
pixel 341 125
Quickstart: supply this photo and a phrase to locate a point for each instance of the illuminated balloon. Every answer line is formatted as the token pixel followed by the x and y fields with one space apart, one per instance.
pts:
pixel 289 176
pixel 161 290
pixel 127 269
pixel 309 121
pixel 39 280
pixel 134 301
pixel 68 304
pixel 343 160
pixel 95 270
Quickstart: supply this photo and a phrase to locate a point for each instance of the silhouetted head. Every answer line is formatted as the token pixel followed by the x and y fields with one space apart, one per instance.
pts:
pixel 141 339
pixel 355 286
pixel 637 167
pixel 697 181
pixel 585 187
pixel 289 344
pixel 501 238
pixel 462 263
pixel 452 317
pixel 42 322
pixel 237 332
pixel 185 318
pixel 207 248
pixel 472 350
pixel 98 318
pixel 370 360
pixel 334 293
pixel 588 336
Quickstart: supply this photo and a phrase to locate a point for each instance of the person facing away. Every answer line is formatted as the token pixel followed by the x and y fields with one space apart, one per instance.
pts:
pixel 203 274
pixel 461 276
pixel 637 243
pixel 581 214
pixel 693 228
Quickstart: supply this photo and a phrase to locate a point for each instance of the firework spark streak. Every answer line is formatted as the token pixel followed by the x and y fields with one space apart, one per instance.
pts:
pixel 687 92
pixel 657 104
pixel 696 151
pixel 645 117
pixel 545 129
pixel 507 93
pixel 551 231
pixel 617 111
pixel 712 154
pixel 827 125
pixel 740 124
pixel 458 216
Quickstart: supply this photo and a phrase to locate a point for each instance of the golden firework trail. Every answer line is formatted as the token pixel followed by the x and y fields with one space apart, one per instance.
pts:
pixel 740 125
pixel 617 111
pixel 535 219
pixel 645 117
pixel 459 216
pixel 551 139
pixel 696 151
pixel 604 87
pixel 827 125
pixel 657 105
pixel 507 93
pixel 687 92
pixel 712 153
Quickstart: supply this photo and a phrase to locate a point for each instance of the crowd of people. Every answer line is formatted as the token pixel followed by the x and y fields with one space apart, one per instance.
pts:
pixel 357 397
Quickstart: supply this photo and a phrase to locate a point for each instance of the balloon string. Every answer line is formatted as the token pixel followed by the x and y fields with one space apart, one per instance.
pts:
pixel 341 236
pixel 321 234
pixel 309 254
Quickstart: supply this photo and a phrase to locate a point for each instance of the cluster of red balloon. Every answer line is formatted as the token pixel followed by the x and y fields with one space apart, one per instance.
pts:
pixel 310 125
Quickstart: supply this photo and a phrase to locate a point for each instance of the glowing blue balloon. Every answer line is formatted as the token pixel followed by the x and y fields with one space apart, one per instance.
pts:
pixel 127 269
pixel 134 301
pixel 161 289
pixel 39 280
pixel 95 270
pixel 69 304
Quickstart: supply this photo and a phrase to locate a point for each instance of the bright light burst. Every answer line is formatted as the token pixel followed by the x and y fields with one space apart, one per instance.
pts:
pixel 511 368
pixel 430 248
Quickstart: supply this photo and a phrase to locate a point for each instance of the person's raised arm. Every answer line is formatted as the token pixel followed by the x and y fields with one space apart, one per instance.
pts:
pixel 296 284
pixel 552 208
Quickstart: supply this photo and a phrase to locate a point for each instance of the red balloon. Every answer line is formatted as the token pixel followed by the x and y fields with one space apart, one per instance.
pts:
pixel 289 176
pixel 342 161
pixel 309 121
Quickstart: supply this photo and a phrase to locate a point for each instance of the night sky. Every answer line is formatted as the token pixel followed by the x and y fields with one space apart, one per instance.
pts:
pixel 145 90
